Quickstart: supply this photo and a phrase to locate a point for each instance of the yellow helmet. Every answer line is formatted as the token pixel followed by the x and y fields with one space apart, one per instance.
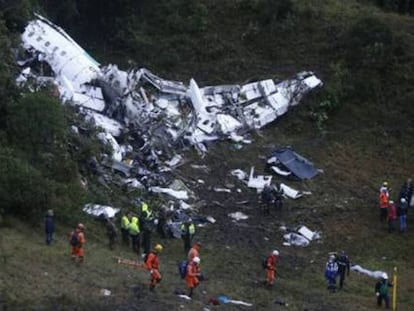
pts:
pixel 158 248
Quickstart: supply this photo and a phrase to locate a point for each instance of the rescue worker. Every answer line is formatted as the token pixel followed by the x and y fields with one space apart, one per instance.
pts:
pixel 331 272
pixel 268 198
pixel 111 232
pixel 49 226
pixel 194 251
pixel 162 221
pixel 383 204
pixel 392 216
pixel 406 191
pixel 134 233
pixel 343 266
pixel 77 241
pixel 384 187
pixel 193 274
pixel 271 267
pixel 146 223
pixel 125 228
pixel 153 264
pixel 402 214
pixel 381 291
pixel 187 234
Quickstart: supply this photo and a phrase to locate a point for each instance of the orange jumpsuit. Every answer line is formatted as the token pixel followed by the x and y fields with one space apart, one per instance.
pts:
pixel 193 272
pixel 77 250
pixel 270 269
pixel 153 264
pixel 194 252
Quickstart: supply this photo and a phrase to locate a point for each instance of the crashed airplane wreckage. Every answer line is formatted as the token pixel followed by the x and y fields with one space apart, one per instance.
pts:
pixel 158 116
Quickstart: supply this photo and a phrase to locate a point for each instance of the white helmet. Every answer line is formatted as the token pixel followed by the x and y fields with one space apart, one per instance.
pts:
pixel 196 260
pixel 385 276
pixel 276 252
pixel 403 200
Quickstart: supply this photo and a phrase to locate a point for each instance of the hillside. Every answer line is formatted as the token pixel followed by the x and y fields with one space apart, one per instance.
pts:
pixel 357 129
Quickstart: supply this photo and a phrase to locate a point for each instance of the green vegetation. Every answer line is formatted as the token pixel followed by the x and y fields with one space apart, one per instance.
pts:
pixel 358 128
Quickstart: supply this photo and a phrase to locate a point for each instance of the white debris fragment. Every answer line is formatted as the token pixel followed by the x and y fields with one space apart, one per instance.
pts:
pixel 290 192
pixel 258 182
pixel 100 211
pixel 375 274
pixel 239 174
pixel 222 190
pixel 182 195
pixel 238 216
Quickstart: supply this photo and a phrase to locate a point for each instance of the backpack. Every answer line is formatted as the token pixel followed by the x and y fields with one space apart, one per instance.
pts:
pixel 383 288
pixel 74 239
pixel 264 262
pixel 182 268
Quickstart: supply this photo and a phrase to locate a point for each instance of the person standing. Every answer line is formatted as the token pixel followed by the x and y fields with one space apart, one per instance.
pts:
pixel 402 214
pixel 383 204
pixel 146 224
pixel 406 191
pixel 134 233
pixel 384 187
pixel 187 234
pixel 153 264
pixel 343 267
pixel 193 274
pixel 381 291
pixel 162 222
pixel 111 232
pixel 49 226
pixel 392 216
pixel 331 272
pixel 268 198
pixel 77 241
pixel 125 228
pixel 194 251
pixel 271 260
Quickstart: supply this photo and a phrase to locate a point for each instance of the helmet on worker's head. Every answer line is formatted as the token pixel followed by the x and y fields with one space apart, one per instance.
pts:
pixel 331 257
pixel 385 183
pixel 275 252
pixel 403 200
pixel 391 202
pixel 385 276
pixel 81 226
pixel 158 248
pixel 196 260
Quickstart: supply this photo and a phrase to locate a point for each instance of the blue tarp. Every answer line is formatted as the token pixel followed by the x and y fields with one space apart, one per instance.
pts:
pixel 298 165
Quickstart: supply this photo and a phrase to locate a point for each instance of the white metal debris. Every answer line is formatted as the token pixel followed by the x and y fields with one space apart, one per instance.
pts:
pixel 157 116
pixel 238 216
pixel 100 211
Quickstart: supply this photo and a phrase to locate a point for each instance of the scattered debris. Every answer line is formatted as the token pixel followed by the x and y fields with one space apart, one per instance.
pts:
pixel 225 300
pixel 100 211
pixel 375 274
pixel 285 162
pixel 302 236
pixel 105 292
pixel 146 120
pixel 258 182
pixel 238 216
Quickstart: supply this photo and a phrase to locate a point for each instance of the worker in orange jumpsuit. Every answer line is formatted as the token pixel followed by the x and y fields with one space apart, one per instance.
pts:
pixel 153 264
pixel 271 267
pixel 194 251
pixel 77 241
pixel 383 204
pixel 193 274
